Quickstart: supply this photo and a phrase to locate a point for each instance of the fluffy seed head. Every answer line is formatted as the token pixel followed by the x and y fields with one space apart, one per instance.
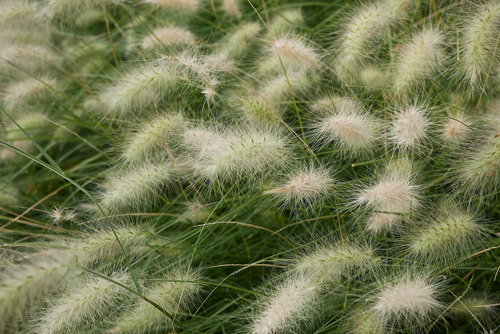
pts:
pixel 277 89
pixel 419 59
pixel 17 60
pixel 176 295
pixel 235 153
pixel 406 300
pixel 204 141
pixel 374 78
pixel 189 5
pixel 196 212
pixel 380 222
pixel 292 301
pixel 144 143
pixel 347 125
pixel 138 90
pixel 450 233
pixel 392 198
pixel 294 53
pixel 236 44
pixel 333 263
pixel 336 102
pixel 29 92
pixel 82 308
pixel 393 193
pixel 22 286
pixel 68 7
pixel 59 215
pixel 232 8
pixel 456 128
pixel 265 106
pixel 135 187
pixel 34 124
pixel 101 249
pixel 403 166
pixel 479 55
pixel 480 307
pixel 19 13
pixel 191 66
pixel 409 128
pixel 361 33
pixel 364 322
pixel 168 36
pixel 304 187
pixel 479 171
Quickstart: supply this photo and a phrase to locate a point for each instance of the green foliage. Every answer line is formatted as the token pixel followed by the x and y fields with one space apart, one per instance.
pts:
pixel 248 166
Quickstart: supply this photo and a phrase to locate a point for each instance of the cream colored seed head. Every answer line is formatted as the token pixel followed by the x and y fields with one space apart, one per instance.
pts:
pixel 168 36
pixel 409 128
pixel 407 299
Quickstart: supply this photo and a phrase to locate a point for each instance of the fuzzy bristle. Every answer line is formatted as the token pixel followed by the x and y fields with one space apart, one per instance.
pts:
pixel 407 299
pixel 286 306
pixel 410 128
pixel 175 295
pixel 304 187
pixel 393 198
pixel 419 59
pixel 84 307
pixel 135 187
pixel 168 36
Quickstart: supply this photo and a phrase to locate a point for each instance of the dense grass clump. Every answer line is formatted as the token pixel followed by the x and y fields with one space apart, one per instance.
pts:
pixel 249 166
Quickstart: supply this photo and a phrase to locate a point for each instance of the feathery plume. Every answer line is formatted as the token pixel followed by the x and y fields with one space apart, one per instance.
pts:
pixel 176 295
pixel 231 8
pixel 189 5
pixel 293 53
pixel 196 212
pixel 66 7
pixel 138 90
pixel 336 262
pixel 144 143
pixel 475 305
pixel 135 188
pixel 101 249
pixel 336 102
pixel 478 53
pixel 29 92
pixel 85 306
pixel 235 153
pixel 456 128
pixel 18 14
pixel 23 285
pixel 410 128
pixel 361 33
pixel 363 321
pixel 452 232
pixel 168 36
pixel 479 170
pixel 407 299
pixel 9 195
pixel 374 78
pixel 392 198
pixel 235 46
pixel 17 60
pixel 291 302
pixel 304 187
pixel 419 59
pixel 348 126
